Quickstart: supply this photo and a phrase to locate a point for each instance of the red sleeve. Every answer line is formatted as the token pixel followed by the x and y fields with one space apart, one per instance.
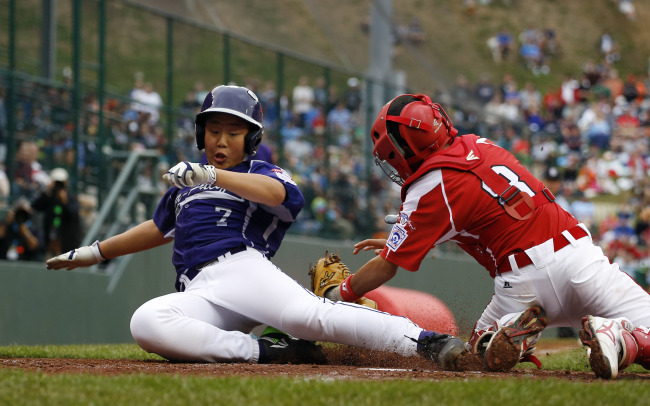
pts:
pixel 416 233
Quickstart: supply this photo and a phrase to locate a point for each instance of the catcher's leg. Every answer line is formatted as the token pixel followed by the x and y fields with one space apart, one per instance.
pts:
pixel 508 345
pixel 614 345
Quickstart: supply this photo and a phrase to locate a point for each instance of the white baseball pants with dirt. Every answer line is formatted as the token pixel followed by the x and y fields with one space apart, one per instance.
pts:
pixel 576 281
pixel 212 319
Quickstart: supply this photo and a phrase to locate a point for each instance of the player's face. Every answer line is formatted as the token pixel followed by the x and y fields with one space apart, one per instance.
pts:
pixel 224 140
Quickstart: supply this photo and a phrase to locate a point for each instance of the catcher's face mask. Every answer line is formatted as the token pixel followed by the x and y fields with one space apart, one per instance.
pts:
pixel 391 172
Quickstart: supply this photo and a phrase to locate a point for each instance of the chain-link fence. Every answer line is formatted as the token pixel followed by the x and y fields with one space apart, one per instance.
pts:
pixel 85 81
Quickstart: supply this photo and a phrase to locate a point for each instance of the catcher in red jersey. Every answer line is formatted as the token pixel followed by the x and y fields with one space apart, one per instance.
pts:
pixel 547 271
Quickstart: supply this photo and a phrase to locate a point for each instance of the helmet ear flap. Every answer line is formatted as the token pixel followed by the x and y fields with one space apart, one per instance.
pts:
pixel 199 131
pixel 252 141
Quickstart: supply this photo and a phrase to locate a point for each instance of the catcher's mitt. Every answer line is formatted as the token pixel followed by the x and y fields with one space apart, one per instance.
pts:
pixel 329 272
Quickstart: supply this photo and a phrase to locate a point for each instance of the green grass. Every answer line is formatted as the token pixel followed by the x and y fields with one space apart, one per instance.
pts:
pixel 36 388
pixel 112 351
pixel 20 388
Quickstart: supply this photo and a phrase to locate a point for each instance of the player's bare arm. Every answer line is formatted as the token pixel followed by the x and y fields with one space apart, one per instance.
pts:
pixel 142 237
pixel 254 187
pixel 372 275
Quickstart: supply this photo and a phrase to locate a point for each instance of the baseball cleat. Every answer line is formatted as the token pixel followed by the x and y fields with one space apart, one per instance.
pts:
pixel 515 338
pixel 602 336
pixel 281 348
pixel 444 349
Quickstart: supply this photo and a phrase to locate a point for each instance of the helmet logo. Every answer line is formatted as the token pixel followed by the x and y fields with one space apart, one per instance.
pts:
pixel 251 94
pixel 436 124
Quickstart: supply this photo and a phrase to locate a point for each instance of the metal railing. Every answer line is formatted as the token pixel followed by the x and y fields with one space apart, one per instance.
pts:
pixel 119 210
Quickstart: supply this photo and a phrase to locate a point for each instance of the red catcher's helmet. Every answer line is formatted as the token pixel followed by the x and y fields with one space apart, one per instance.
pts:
pixel 406 131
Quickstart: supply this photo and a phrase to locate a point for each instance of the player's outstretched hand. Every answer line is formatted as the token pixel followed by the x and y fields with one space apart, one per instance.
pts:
pixel 189 174
pixel 376 244
pixel 78 257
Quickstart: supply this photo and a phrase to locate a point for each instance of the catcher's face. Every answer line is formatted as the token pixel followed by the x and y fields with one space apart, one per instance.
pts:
pixel 224 140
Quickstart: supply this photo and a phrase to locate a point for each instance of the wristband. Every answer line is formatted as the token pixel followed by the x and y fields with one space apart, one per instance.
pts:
pixel 346 291
pixel 97 252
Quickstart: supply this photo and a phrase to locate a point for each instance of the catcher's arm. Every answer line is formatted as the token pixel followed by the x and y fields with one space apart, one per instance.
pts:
pixel 372 275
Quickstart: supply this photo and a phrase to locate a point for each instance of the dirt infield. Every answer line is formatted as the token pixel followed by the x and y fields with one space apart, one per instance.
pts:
pixel 344 363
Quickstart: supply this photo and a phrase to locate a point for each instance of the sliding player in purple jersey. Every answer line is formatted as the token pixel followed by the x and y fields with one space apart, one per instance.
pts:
pixel 227 218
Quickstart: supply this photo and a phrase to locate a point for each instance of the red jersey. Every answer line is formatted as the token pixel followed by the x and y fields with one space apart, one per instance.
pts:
pixel 441 202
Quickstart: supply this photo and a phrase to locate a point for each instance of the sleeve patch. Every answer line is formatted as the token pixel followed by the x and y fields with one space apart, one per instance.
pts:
pixel 283 175
pixel 397 236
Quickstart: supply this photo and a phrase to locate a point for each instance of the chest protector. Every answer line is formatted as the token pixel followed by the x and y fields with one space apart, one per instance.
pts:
pixel 466 155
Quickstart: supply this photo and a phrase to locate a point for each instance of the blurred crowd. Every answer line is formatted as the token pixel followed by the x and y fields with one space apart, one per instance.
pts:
pixel 588 136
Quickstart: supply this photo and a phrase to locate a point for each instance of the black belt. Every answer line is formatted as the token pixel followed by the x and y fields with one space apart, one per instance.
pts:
pixel 559 241
pixel 190 273
pixel 233 251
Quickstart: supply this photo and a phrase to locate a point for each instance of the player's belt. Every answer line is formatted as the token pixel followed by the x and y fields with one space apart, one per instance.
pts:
pixel 190 273
pixel 559 241
pixel 233 251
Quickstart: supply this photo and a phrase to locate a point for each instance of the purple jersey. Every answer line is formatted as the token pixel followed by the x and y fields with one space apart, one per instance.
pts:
pixel 208 221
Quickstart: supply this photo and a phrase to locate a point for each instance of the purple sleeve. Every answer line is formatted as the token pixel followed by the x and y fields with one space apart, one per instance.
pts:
pixel 165 215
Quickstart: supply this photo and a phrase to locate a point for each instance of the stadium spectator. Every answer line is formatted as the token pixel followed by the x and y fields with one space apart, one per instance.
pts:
pixel 352 94
pixel 630 90
pixel 61 223
pixel 609 48
pixel 614 83
pixel 269 100
pixel 302 99
pixel 19 235
pixel 627 8
pixel 339 123
pixel 29 176
pixel 199 92
pixel 484 90
pixel 147 103
pixel 5 186
pixel 320 92
pixel 505 40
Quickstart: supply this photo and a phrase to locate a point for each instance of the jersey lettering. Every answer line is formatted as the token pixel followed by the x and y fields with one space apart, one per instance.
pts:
pixel 513 180
pixel 222 222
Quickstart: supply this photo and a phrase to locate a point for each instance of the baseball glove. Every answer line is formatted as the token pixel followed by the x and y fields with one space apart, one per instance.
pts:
pixel 329 272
